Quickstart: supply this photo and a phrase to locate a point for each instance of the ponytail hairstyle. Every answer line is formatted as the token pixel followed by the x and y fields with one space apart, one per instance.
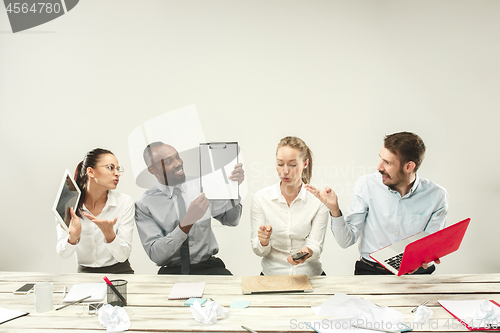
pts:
pixel 305 154
pixel 81 176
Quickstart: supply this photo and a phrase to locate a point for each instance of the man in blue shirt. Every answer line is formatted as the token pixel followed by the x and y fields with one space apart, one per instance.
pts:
pixel 390 205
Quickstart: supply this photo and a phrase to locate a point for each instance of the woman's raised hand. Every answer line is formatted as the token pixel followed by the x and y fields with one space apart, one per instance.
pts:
pixel 106 226
pixel 264 234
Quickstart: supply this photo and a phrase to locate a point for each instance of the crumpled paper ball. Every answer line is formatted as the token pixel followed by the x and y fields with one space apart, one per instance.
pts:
pixel 114 318
pixel 423 314
pixel 487 311
pixel 210 313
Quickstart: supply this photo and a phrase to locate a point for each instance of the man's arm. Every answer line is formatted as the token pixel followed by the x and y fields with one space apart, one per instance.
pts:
pixel 437 222
pixel 227 212
pixel 345 230
pixel 159 245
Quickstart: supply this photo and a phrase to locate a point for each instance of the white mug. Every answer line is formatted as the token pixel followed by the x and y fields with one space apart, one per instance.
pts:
pixel 43 296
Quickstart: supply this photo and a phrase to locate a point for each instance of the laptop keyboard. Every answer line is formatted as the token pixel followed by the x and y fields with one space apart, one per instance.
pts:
pixel 395 261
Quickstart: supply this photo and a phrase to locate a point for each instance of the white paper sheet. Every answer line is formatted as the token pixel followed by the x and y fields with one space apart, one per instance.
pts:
pixel 216 165
pixel 7 314
pixel 467 311
pixel 187 290
pixel 79 291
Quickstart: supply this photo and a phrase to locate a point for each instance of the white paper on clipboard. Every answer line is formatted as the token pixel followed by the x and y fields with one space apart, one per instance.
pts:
pixel 217 161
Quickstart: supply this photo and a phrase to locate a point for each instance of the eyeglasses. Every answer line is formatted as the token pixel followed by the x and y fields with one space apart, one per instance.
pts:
pixel 91 309
pixel 112 168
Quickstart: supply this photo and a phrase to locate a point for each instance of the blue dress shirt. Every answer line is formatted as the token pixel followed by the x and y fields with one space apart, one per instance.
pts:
pixel 379 216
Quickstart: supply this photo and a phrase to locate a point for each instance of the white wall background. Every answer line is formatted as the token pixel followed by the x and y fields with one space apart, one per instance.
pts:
pixel 339 74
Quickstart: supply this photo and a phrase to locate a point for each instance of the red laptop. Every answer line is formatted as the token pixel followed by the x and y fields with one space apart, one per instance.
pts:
pixel 412 252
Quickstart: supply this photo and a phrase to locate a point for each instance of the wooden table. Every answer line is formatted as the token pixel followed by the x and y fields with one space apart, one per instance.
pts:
pixel 149 309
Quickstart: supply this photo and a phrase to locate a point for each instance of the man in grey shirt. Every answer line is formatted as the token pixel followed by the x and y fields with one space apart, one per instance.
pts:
pixel 174 219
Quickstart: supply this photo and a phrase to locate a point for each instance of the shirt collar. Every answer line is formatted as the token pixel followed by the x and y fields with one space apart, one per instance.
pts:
pixel 169 190
pixel 413 187
pixel 111 199
pixel 415 184
pixel 276 194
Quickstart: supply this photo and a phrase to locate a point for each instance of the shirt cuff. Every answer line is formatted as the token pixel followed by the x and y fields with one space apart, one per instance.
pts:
pixel 263 250
pixel 114 245
pixel 337 221
pixel 177 233
pixel 316 253
pixel 69 245
pixel 65 248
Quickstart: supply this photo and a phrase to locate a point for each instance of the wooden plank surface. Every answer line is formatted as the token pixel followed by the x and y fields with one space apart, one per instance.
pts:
pixel 275 283
pixel 150 310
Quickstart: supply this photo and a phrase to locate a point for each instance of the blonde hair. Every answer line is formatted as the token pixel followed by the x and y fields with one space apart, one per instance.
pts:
pixel 305 154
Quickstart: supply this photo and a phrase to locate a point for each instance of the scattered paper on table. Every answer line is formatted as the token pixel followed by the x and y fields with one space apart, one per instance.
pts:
pixel 471 312
pixel 210 313
pixel 194 299
pixel 7 314
pixel 240 304
pixel 114 318
pixel 187 290
pixel 79 291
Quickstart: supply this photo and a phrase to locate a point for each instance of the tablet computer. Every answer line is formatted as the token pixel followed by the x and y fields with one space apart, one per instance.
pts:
pixel 67 197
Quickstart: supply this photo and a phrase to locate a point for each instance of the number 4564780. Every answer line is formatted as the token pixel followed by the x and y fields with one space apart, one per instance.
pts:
pixel 40 7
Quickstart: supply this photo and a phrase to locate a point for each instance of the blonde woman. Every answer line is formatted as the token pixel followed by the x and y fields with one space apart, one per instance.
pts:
pixel 286 218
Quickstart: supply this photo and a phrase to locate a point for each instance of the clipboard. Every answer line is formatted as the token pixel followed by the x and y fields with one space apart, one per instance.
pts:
pixel 463 311
pixel 217 161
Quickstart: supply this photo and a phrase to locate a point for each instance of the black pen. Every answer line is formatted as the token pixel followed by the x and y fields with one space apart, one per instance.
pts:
pixel 115 291
pixel 80 300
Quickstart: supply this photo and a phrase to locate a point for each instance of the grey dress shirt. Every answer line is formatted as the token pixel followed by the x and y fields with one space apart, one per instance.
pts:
pixel 157 220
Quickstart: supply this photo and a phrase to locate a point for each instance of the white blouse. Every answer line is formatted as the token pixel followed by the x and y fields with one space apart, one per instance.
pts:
pixel 302 224
pixel 92 250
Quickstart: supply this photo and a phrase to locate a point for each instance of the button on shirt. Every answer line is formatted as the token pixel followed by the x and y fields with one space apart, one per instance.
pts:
pixel 379 216
pixel 92 249
pixel 157 219
pixel 302 224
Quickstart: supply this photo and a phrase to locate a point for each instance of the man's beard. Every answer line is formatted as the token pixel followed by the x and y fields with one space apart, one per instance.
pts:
pixel 393 182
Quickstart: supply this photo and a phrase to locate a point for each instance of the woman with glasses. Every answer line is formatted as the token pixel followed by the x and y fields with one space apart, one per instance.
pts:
pixel 101 228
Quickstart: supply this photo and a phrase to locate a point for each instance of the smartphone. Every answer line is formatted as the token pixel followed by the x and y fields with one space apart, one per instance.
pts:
pixel 299 255
pixel 24 289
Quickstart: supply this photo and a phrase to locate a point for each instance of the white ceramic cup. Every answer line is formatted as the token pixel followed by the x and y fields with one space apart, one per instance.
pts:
pixel 43 296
